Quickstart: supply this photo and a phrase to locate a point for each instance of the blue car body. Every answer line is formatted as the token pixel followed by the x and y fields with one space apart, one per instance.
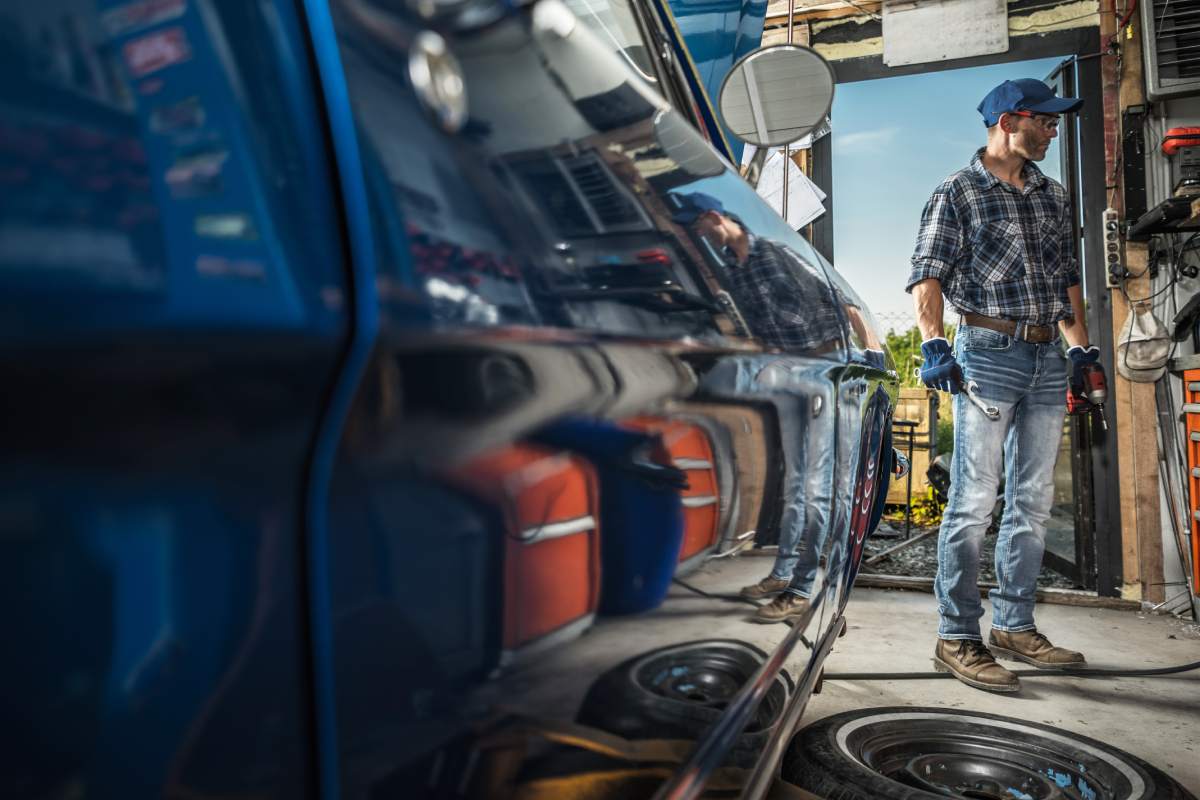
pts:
pixel 715 35
pixel 256 301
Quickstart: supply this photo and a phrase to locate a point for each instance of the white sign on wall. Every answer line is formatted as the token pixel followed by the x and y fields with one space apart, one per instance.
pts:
pixel 805 198
pixel 921 31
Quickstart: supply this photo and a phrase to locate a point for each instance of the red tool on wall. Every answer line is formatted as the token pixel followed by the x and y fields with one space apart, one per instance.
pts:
pixel 1191 419
pixel 1093 396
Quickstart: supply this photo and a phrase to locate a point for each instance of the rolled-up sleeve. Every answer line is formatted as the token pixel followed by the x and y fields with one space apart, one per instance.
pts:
pixel 939 242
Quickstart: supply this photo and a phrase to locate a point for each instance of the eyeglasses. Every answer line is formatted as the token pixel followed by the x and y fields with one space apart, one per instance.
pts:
pixel 1047 122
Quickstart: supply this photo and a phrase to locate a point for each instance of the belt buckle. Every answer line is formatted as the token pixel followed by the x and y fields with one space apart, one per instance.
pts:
pixel 1022 331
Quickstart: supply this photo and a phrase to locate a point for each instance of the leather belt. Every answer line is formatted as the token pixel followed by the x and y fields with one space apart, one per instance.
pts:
pixel 1034 334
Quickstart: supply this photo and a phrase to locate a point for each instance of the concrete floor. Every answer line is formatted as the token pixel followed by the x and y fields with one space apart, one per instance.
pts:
pixel 1157 719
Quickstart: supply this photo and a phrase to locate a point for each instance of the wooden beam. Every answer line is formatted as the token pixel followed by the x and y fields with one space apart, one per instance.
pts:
pixel 802 159
pixel 825 13
pixel 778 8
pixel 1123 413
pixel 800 34
pixel 1135 411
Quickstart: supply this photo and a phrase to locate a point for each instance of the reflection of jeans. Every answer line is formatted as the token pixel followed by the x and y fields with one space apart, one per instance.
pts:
pixel 1027 382
pixel 800 391
pixel 804 525
pixel 807 447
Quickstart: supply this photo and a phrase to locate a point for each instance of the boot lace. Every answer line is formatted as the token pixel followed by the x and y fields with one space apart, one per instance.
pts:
pixel 787 600
pixel 972 652
pixel 1039 642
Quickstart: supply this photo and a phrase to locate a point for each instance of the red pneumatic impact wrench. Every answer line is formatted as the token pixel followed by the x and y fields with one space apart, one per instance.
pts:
pixel 1094 395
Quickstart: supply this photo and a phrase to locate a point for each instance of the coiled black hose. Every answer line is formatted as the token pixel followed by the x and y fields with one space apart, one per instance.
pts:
pixel 1024 673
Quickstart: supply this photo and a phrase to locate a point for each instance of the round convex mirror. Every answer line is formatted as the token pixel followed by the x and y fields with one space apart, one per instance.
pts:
pixel 776 95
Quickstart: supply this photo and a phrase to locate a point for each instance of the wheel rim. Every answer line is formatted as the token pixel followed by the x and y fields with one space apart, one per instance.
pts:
pixel 709 676
pixel 981 762
pixel 959 775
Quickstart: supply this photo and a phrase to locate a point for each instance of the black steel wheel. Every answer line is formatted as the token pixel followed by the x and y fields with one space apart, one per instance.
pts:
pixel 931 753
pixel 678 692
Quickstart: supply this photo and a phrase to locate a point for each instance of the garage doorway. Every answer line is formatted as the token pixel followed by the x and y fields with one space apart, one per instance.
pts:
pixel 894 139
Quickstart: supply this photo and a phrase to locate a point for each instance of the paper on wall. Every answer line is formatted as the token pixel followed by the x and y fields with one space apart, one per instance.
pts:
pixel 805 198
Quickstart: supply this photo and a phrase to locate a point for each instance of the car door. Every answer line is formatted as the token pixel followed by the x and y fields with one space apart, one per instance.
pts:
pixel 173 309
pixel 537 264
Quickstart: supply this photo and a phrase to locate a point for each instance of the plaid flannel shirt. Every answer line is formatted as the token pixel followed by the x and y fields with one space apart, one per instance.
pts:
pixel 997 250
pixel 786 301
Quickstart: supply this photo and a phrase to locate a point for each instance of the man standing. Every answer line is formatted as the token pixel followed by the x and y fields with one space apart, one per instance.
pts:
pixel 996 240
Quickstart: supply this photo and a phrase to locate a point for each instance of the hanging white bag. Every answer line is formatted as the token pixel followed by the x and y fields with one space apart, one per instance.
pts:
pixel 1143 346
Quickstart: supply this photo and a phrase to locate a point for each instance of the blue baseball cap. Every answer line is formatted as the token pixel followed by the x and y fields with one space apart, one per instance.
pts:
pixel 1024 94
pixel 687 208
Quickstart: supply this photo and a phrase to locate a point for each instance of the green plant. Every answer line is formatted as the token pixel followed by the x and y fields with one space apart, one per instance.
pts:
pixel 945 435
pixel 906 350
pixel 926 511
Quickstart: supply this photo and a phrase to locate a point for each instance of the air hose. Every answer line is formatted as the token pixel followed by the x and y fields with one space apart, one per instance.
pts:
pixel 1023 673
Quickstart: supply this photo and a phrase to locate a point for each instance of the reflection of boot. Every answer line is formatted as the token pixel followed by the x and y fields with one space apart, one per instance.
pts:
pixel 1033 648
pixel 974 665
pixel 767 586
pixel 784 607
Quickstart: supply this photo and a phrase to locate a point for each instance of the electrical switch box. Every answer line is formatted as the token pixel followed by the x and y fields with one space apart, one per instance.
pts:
pixel 1114 266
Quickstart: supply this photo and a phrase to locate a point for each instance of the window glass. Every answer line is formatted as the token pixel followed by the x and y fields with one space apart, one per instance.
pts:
pixel 615 23
pixel 561 200
pixel 150 152
pixel 776 278
pixel 545 207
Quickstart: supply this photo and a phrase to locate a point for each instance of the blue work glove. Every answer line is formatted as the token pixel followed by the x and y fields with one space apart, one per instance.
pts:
pixel 1081 357
pixel 941 371
pixel 875 358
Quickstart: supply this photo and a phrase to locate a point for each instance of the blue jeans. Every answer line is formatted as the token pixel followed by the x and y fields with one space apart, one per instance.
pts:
pixel 808 446
pixel 800 391
pixel 1028 383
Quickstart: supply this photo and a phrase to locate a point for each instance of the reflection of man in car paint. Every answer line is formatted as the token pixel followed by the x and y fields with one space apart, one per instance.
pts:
pixel 787 304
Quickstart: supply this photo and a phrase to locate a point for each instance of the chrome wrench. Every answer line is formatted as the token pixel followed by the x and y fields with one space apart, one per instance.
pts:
pixel 991 412
pixel 970 388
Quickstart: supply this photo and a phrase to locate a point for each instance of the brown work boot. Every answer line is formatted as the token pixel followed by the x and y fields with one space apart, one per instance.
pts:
pixel 973 664
pixel 783 608
pixel 1033 648
pixel 767 586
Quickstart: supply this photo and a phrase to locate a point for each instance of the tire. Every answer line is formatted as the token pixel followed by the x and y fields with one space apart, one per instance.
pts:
pixel 911 753
pixel 678 692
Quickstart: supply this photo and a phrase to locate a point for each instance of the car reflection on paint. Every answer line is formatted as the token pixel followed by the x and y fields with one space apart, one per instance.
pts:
pixel 413 399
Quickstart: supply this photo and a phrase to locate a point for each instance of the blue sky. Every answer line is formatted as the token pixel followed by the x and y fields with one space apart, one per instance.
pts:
pixel 894 140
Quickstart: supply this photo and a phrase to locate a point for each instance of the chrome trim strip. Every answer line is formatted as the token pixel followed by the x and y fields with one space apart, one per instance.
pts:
pixel 692 463
pixel 698 502
pixel 688 781
pixel 693 561
pixel 766 769
pixel 556 530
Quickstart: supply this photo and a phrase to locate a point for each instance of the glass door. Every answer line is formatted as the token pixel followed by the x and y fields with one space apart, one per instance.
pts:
pixel 1070 532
